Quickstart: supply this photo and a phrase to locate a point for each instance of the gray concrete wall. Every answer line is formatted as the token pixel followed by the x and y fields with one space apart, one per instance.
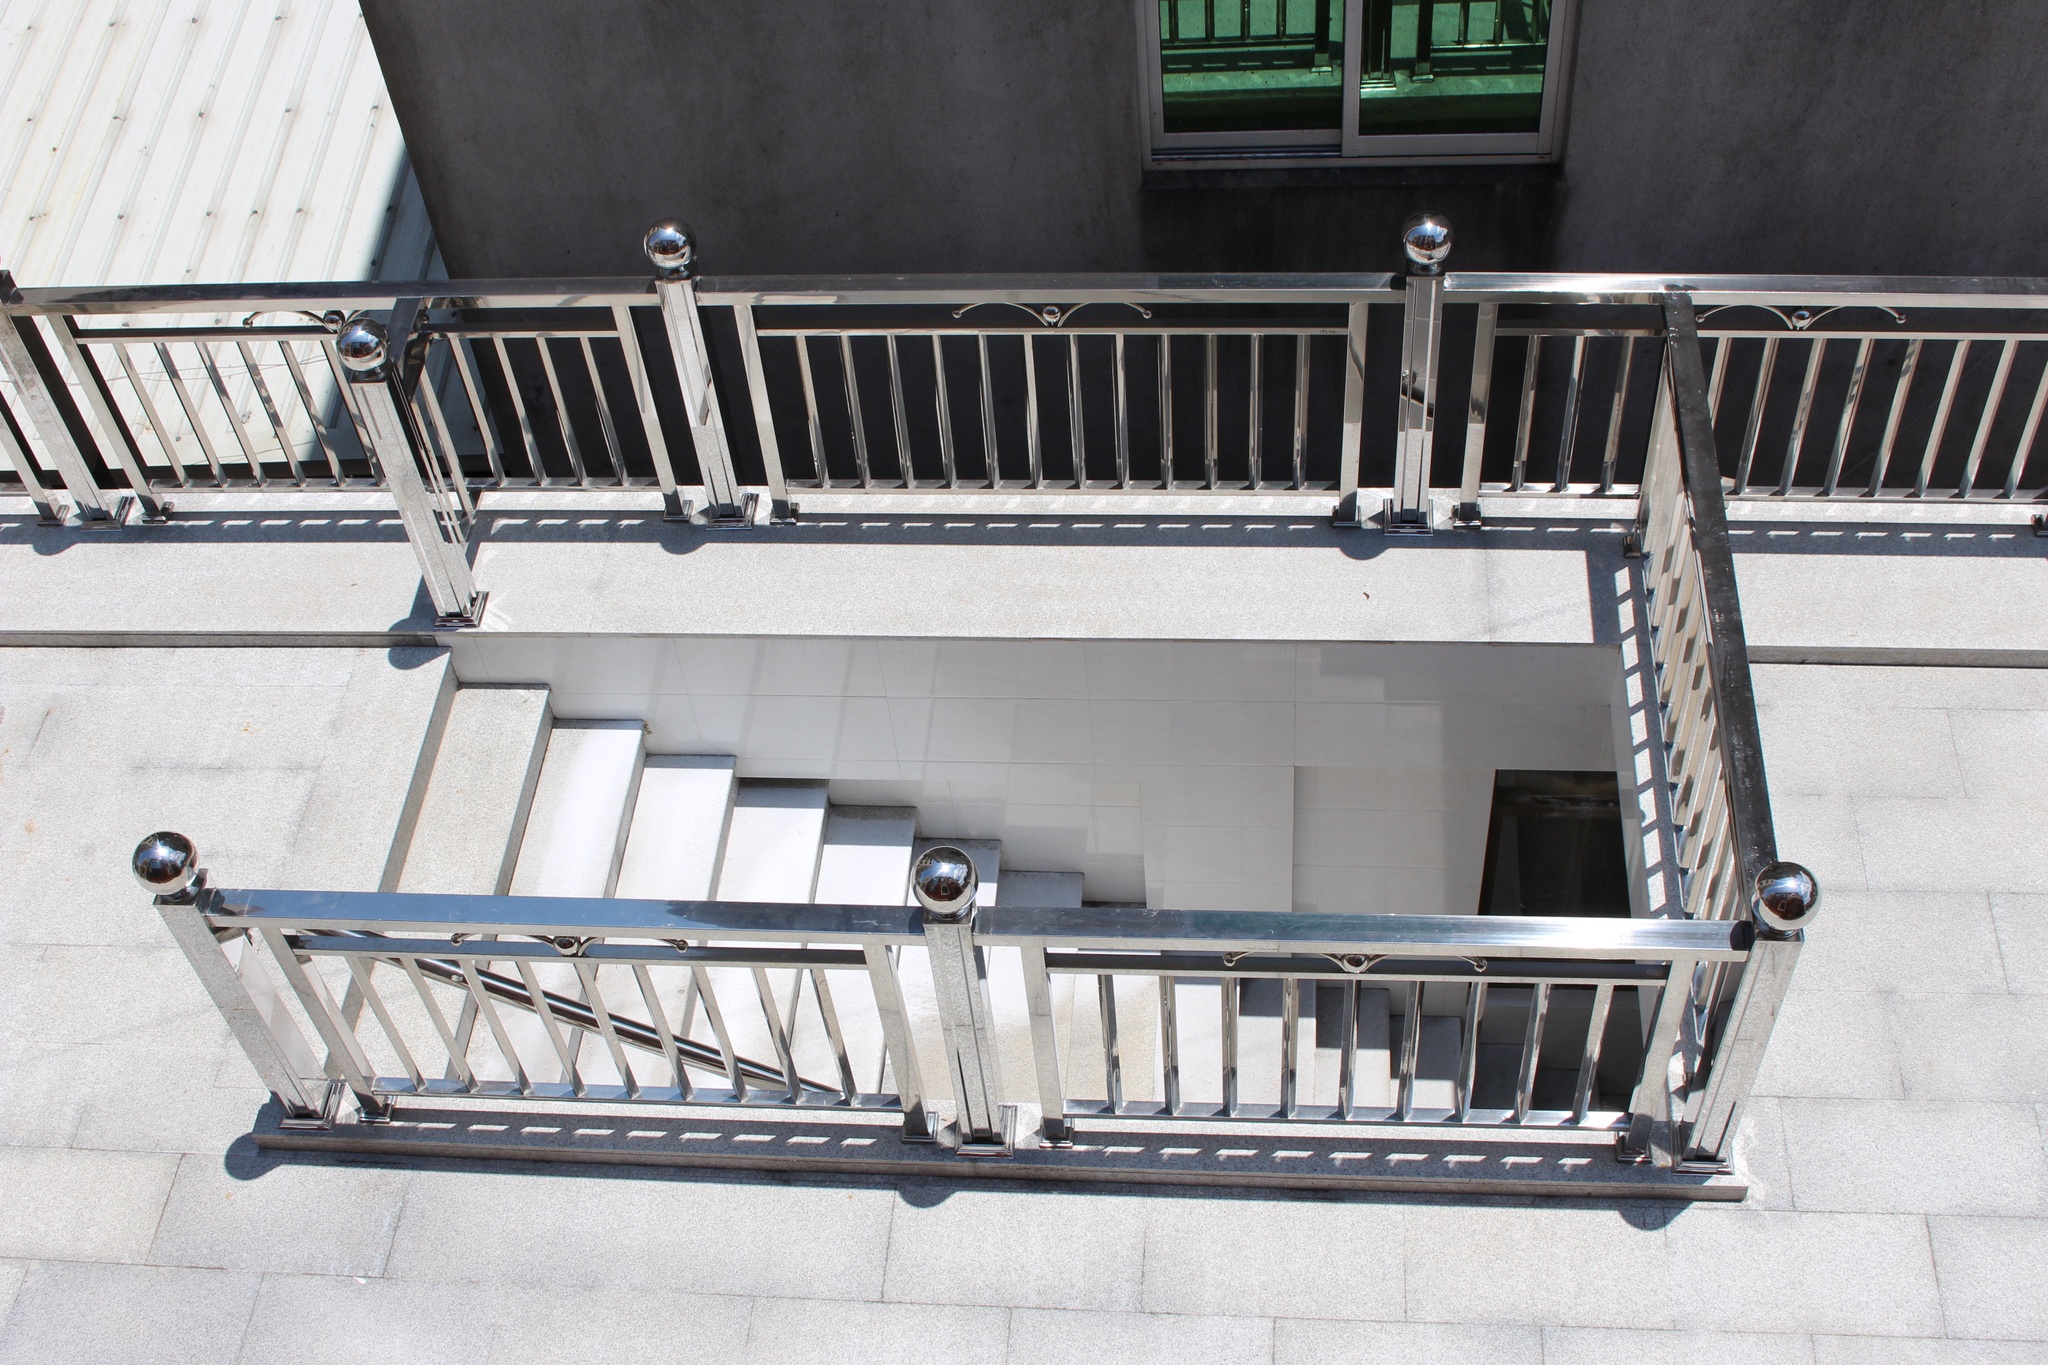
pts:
pixel 916 135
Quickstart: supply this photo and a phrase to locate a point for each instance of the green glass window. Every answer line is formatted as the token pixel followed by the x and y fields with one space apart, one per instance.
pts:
pixel 1452 66
pixel 1251 65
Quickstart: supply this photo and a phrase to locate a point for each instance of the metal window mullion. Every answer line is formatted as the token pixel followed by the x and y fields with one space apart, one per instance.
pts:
pixel 2007 351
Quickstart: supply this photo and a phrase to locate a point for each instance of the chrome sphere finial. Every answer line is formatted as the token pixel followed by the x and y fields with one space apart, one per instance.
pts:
pixel 362 344
pixel 944 883
pixel 1426 239
pixel 672 246
pixel 165 863
pixel 1786 897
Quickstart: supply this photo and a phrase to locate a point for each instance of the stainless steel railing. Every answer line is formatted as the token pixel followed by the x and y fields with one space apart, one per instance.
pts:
pixel 393 999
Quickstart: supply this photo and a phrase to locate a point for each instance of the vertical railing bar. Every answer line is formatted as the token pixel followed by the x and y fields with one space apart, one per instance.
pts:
pixel 643 403
pixel 1045 1047
pixel 1290 1044
pixel 1477 406
pixel 1613 451
pixel 464 353
pixel 778 1035
pixel 803 365
pixel 988 415
pixel 1112 1049
pixel 2026 443
pixel 1347 1052
pixel 1722 349
pixel 1468 1057
pixel 1254 467
pixel 764 415
pixel 450 457
pixel 1816 349
pixel 1941 414
pixel 1589 1060
pixel 569 441
pixel 270 413
pixel 2007 352
pixel 659 1018
pixel 192 415
pixel 714 1015
pixel 853 413
pixel 1847 427
pixel 942 406
pixel 344 1052
pixel 604 414
pixel 1299 454
pixel 1229 1041
pixel 526 434
pixel 565 1053
pixel 219 384
pixel 1077 439
pixel 1123 417
pixel 1209 423
pixel 899 1047
pixel 1754 430
pixel 1032 436
pixel 1165 413
pixel 485 1008
pixel 344 390
pixel 457 1061
pixel 1525 415
pixel 896 414
pixel 587 971
pixel 156 422
pixel 123 450
pixel 359 972
pixel 1169 1042
pixel 1568 440
pixel 1411 1053
pixel 1532 1047
pixel 828 1014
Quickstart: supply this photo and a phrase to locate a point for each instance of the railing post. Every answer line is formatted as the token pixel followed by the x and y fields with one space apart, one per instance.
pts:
pixel 1426 241
pixel 231 970
pixel 18 360
pixel 1476 408
pixel 673 249
pixel 945 884
pixel 435 531
pixel 1785 901
pixel 1351 453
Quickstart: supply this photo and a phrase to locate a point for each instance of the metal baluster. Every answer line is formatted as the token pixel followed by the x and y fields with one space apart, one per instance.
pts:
pixel 1940 427
pixel 896 415
pixel 604 413
pixel 1719 377
pixel 897 1042
pixel 489 1013
pixel 1411 1052
pixel 1847 426
pixel 673 508
pixel 1123 419
pixel 1165 412
pixel 1300 440
pixel 344 1053
pixel 569 441
pixel 1077 442
pixel 1031 433
pixel 1815 350
pixel 1169 1041
pixel 270 412
pixel 1757 400
pixel 1209 411
pixel 1112 1052
pixel 227 406
pixel 565 1051
pixel 458 1061
pixel 1254 467
pixel 942 409
pixel 1230 1021
pixel 99 396
pixel 1568 439
pixel 779 1035
pixel 1532 1046
pixel 1045 1047
pixel 988 417
pixel 480 412
pixel 1476 409
pixel 432 399
pixel 860 430
pixel 192 415
pixel 2007 350
pixel 715 1016
pixel 359 972
pixel 658 1016
pixel 1525 414
pixel 1468 1059
pixel 1290 1044
pixel 1347 1052
pixel 540 473
pixel 156 422
pixel 764 415
pixel 586 970
pixel 803 365
pixel 2026 443
pixel 828 1015
pixel 1613 451
pixel 44 411
pixel 1589 1061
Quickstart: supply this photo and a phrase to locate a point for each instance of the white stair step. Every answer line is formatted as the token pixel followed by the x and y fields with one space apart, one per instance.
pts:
pixel 678 828
pixel 466 840
pixel 865 859
pixel 771 847
pixel 581 806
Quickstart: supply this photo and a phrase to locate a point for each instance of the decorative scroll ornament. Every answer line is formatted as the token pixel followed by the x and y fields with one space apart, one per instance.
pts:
pixel 1050 314
pixel 1801 319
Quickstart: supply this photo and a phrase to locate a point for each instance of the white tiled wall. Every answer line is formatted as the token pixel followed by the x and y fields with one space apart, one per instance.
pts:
pixel 1191 775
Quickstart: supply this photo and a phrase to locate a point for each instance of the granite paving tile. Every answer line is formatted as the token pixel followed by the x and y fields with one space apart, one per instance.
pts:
pixel 347 1320
pixel 1246 1253
pixel 1901 941
pixel 1044 1249
pixel 1915 1156
pixel 2022 923
pixel 60 1204
pixel 1991 1272
pixel 1538 1264
pixel 671 1326
pixel 812 1332
pixel 1624 1346
pixel 1299 1341
pixel 1860 1272
pixel 1040 1334
pixel 72 1311
pixel 1926 1351
pixel 1988 1048
pixel 1832 1043
pixel 298 1217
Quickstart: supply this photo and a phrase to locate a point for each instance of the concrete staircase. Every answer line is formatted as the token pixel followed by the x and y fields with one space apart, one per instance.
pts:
pixel 520 803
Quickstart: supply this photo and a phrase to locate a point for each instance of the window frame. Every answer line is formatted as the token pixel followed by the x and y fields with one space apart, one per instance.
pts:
pixel 1345 145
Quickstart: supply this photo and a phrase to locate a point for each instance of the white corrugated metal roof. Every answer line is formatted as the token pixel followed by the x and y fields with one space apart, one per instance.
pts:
pixel 173 141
